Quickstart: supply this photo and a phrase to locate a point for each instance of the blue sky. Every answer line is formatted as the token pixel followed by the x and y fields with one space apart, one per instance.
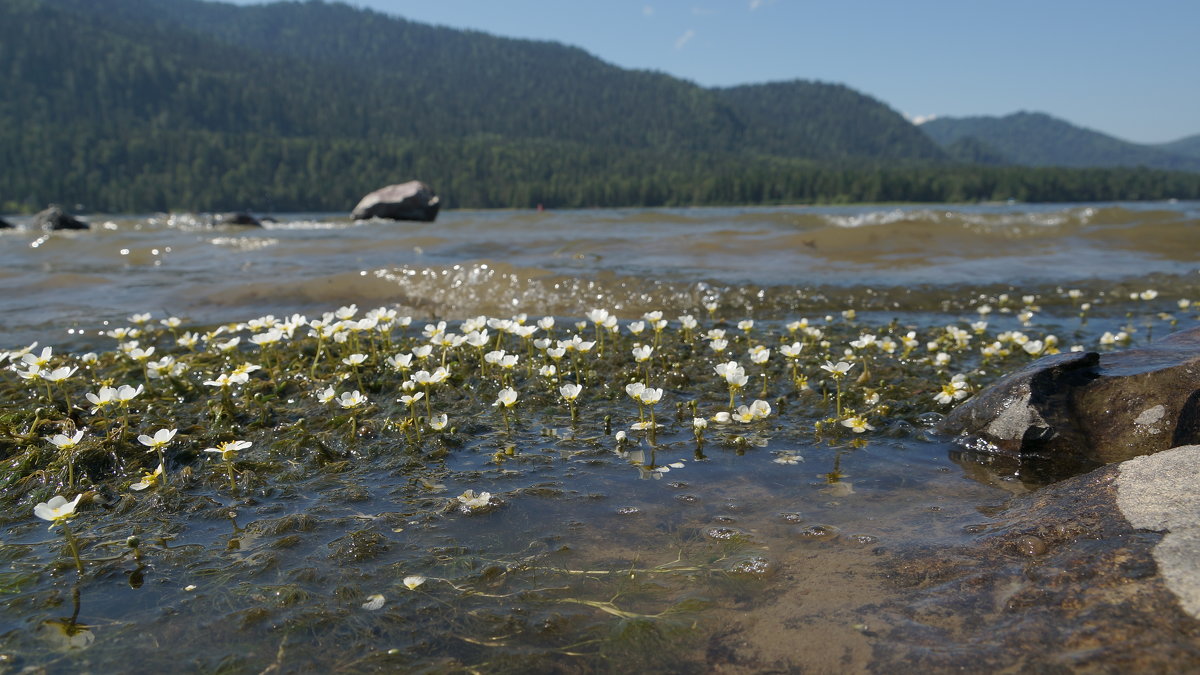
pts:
pixel 1128 69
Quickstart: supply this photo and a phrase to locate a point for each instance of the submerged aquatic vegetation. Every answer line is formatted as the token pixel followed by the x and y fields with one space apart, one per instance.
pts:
pixel 342 440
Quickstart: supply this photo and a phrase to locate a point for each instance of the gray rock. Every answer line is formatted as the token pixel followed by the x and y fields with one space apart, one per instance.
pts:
pixel 1067 413
pixel 413 200
pixel 5 225
pixel 54 218
pixel 1160 493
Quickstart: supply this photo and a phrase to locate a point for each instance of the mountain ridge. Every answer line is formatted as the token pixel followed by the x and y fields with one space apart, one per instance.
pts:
pixel 1039 139
pixel 135 105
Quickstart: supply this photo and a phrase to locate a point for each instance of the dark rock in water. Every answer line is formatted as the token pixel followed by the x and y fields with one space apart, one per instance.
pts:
pixel 240 218
pixel 5 225
pixel 413 200
pixel 54 218
pixel 1070 412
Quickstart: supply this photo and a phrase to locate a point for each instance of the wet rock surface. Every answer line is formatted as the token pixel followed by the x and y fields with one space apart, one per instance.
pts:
pixel 1060 582
pixel 5 225
pixel 413 200
pixel 1069 413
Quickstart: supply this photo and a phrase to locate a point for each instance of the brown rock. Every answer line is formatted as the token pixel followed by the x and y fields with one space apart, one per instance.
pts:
pixel 1067 413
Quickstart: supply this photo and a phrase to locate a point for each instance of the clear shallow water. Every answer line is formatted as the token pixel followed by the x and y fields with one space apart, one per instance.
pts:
pixel 591 561
pixel 500 262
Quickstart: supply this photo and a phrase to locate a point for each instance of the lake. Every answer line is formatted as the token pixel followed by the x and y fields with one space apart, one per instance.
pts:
pixel 616 533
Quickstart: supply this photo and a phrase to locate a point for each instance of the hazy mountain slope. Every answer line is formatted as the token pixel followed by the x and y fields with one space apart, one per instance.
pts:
pixel 1189 146
pixel 1037 139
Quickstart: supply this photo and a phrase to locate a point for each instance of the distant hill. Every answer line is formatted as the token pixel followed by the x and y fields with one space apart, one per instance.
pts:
pixel 1189 146
pixel 137 105
pixel 1037 139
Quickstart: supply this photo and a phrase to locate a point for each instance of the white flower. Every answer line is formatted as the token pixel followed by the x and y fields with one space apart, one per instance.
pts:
pixel 161 439
pixel 635 389
pixel 351 399
pixel 355 360
pixel 650 395
pixel 326 395
pixel 139 354
pixel 865 340
pixel 413 581
pixel 756 411
pixel 148 479
pixel 788 458
pixel 400 362
pixel 271 337
pixel 103 399
pixel 954 390
pixel 439 422
pixel 836 370
pixel 473 501
pixel 642 353
pixel 507 398
pixel 857 424
pixel 59 374
pixel 57 509
pixel 374 602
pixel 570 391
pixel 126 393
pixel 229 449
pixel 40 361
pixel 64 442
pixel 699 423
pixel 746 325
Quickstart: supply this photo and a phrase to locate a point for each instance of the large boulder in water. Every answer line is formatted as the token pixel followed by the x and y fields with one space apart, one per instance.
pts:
pixel 54 218
pixel 1069 412
pixel 413 200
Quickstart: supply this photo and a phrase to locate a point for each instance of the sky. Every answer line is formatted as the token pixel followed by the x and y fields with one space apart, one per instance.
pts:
pixel 1128 69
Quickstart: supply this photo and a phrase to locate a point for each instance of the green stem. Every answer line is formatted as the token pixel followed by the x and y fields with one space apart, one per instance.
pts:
pixel 162 460
pixel 71 544
pixel 312 372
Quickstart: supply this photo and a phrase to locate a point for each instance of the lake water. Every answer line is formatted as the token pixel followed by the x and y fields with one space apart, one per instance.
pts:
pixel 760 548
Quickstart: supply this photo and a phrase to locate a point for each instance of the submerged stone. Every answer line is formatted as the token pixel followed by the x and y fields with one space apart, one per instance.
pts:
pixel 1068 413
pixel 1075 577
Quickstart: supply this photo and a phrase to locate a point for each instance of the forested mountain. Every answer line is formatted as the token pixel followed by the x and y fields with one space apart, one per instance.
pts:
pixel 1037 139
pixel 137 105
